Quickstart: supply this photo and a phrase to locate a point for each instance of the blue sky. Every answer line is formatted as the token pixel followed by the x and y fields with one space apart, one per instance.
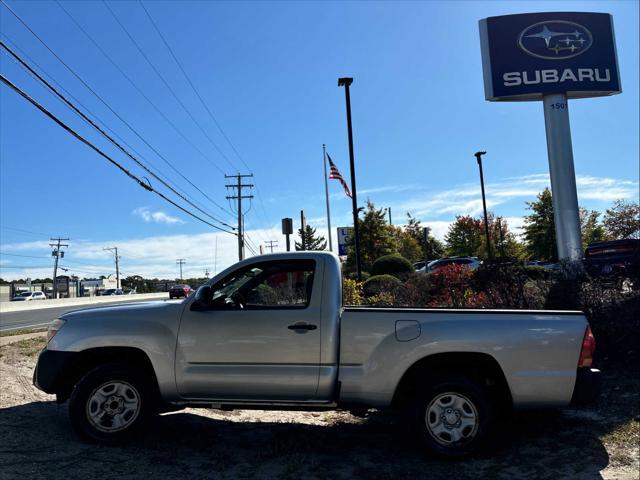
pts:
pixel 268 71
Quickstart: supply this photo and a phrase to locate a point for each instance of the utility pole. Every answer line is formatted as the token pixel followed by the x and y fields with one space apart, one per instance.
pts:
pixel 389 212
pixel 303 227
pixel 346 82
pixel 57 253
pixel 478 156
pixel 180 261
pixel 239 186
pixel 115 251
pixel 271 244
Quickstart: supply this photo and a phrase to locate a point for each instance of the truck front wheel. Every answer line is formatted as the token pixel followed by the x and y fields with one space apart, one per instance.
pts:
pixel 110 403
pixel 452 417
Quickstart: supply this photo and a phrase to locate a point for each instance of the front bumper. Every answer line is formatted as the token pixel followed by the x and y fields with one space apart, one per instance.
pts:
pixel 588 385
pixel 51 370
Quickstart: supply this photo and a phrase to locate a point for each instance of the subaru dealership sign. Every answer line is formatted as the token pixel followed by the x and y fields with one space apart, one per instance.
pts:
pixel 525 56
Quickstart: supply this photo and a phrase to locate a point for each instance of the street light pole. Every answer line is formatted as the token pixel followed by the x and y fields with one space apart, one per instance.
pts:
pixel 346 82
pixel 484 204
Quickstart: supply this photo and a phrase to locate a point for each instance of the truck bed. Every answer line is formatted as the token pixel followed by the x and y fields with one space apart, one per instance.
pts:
pixel 536 350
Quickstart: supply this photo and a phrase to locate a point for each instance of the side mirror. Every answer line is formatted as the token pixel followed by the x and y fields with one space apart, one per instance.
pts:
pixel 202 299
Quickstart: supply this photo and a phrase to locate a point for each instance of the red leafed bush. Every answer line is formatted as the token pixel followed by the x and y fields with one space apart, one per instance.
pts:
pixel 451 287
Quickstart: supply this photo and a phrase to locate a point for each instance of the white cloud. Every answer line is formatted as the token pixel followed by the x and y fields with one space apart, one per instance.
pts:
pixel 466 200
pixel 158 216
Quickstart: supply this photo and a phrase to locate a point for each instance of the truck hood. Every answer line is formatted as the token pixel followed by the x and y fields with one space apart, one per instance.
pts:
pixel 127 310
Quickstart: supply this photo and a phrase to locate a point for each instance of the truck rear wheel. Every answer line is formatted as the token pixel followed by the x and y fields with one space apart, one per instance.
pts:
pixel 110 403
pixel 452 417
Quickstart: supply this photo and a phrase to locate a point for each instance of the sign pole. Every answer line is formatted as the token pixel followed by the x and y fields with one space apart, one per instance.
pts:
pixel 562 174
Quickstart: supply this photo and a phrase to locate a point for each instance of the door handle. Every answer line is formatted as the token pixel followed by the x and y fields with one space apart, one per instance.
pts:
pixel 302 327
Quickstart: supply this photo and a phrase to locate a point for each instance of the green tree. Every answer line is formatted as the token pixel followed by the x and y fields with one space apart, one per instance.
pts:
pixel 407 245
pixel 432 248
pixel 504 243
pixel 591 229
pixel 464 237
pixel 311 241
pixel 539 229
pixel 376 238
pixel 622 220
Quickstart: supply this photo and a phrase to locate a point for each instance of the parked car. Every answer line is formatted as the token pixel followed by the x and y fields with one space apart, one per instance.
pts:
pixel 271 333
pixel 615 257
pixel 112 291
pixel 29 296
pixel 471 263
pixel 543 264
pixel 180 291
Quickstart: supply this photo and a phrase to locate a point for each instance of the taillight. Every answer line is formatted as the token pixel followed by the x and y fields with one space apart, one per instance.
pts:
pixel 588 347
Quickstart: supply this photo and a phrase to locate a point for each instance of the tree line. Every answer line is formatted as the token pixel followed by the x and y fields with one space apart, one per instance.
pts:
pixel 466 235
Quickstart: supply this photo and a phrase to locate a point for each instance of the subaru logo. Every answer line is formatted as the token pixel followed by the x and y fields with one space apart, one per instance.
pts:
pixel 555 39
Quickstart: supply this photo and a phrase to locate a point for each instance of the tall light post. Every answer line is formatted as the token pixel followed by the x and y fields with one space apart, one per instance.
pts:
pixel 346 82
pixel 484 204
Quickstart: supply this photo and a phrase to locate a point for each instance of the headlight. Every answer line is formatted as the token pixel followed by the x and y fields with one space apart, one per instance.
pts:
pixel 54 327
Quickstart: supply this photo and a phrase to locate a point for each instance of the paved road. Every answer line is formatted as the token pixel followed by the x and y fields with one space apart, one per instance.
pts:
pixel 41 317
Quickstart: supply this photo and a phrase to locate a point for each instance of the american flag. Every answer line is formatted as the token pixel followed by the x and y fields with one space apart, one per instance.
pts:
pixel 335 174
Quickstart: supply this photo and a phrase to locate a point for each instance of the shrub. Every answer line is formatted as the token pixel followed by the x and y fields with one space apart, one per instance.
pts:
pixel 351 292
pixel 416 291
pixel 383 299
pixel 380 283
pixel 394 264
pixel 512 286
pixel 354 276
pixel 451 287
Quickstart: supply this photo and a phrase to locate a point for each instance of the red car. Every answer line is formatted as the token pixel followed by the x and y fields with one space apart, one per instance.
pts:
pixel 180 291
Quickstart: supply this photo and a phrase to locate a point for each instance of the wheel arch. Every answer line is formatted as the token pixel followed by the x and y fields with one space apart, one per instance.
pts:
pixel 478 366
pixel 86 360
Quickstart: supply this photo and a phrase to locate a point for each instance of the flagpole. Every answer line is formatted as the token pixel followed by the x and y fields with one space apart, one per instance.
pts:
pixel 326 193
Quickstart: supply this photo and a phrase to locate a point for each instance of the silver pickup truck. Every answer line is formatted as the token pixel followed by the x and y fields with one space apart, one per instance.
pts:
pixel 271 333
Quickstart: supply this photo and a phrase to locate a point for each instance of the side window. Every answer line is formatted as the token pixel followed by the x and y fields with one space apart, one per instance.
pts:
pixel 281 284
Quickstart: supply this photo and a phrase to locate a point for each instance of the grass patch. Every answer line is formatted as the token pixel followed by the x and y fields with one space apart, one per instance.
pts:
pixel 29 347
pixel 22 331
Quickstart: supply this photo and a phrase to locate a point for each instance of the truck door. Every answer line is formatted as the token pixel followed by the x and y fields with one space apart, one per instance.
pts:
pixel 258 336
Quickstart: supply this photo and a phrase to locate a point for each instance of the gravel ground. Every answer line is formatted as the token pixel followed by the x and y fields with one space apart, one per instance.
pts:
pixel 36 441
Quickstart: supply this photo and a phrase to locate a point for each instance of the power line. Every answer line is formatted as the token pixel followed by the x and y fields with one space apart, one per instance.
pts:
pixel 105 134
pixel 23 256
pixel 98 120
pixel 203 103
pixel 4 227
pixel 153 67
pixel 102 154
pixel 107 105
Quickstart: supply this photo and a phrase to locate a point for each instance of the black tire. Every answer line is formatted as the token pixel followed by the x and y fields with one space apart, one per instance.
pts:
pixel 473 405
pixel 118 394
